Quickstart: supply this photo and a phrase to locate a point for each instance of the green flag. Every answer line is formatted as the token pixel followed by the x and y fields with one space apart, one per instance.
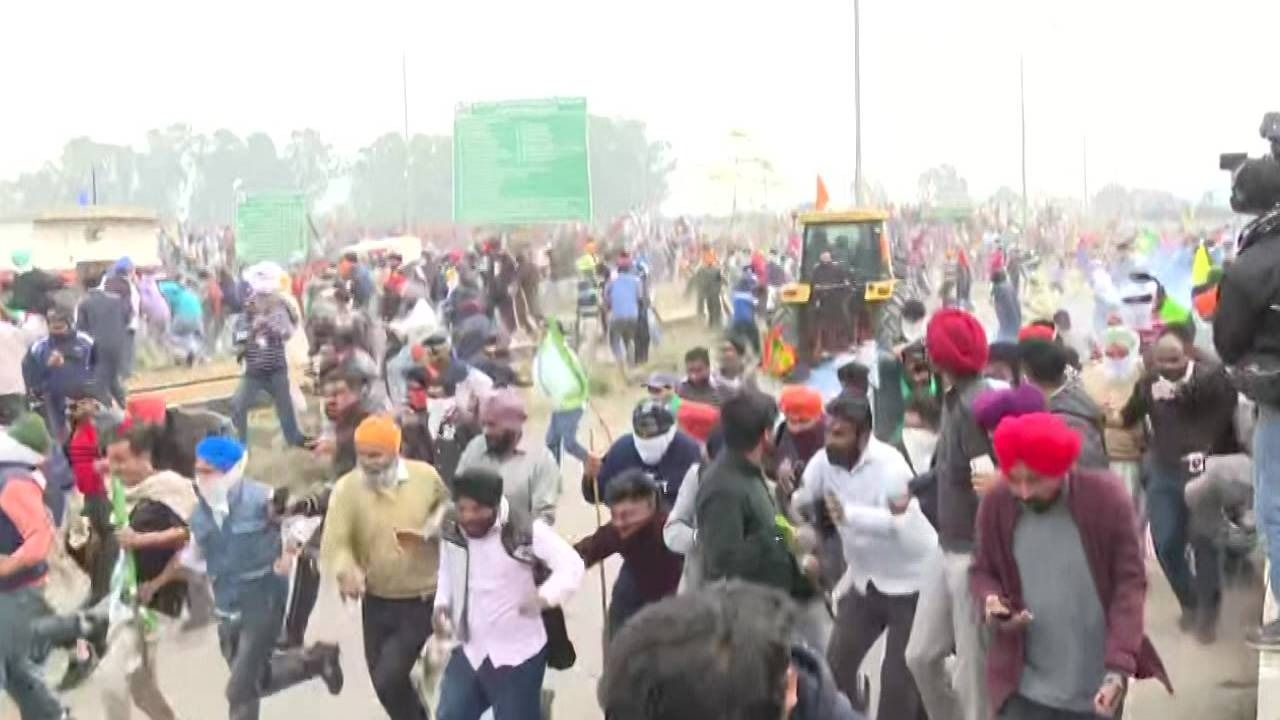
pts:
pixel 557 371
pixel 125 579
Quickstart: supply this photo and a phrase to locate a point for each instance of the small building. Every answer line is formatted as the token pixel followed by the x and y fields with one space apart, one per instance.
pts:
pixel 63 240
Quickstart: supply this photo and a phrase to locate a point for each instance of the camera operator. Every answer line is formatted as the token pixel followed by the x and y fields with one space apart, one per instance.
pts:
pixel 1246 332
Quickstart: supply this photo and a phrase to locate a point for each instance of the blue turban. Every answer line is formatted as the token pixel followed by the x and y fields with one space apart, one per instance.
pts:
pixel 123 266
pixel 220 451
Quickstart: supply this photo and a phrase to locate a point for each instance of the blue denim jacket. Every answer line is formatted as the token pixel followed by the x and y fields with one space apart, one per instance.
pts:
pixel 245 548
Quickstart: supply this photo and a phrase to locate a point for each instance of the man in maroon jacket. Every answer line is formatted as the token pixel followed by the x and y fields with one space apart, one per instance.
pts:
pixel 650 571
pixel 1060 578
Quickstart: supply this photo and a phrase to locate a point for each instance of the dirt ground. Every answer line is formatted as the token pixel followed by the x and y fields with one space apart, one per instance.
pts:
pixel 1216 682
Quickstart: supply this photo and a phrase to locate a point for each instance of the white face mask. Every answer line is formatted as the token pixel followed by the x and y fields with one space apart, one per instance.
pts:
pixel 215 489
pixel 919 444
pixel 1119 368
pixel 652 449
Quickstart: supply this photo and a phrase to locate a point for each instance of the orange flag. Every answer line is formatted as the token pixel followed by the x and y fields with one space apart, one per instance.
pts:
pixel 821 202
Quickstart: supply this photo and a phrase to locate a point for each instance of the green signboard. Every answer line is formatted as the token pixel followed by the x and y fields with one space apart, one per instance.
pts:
pixel 521 161
pixel 271 226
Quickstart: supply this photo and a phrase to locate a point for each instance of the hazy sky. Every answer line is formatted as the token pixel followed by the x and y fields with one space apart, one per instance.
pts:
pixel 1158 88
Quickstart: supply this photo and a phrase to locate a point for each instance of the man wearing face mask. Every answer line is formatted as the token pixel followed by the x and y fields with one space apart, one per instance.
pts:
pixel 1191 408
pixel 1058 573
pixel 655 446
pixel 384 497
pixel 530 475
pixel 1110 383
pixel 860 485
pixel 237 534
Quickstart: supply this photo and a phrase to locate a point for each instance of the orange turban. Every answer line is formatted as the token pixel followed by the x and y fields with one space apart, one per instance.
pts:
pixel 801 402
pixel 379 431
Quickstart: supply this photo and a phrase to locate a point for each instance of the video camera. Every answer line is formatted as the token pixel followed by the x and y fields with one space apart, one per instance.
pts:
pixel 1255 182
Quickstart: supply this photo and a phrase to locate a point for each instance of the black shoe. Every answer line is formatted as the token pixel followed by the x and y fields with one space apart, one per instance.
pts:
pixel 330 666
pixel 79 669
pixel 1264 637
pixel 93 625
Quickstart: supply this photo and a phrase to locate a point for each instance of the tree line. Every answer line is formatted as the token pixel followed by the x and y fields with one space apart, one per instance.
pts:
pixel 180 173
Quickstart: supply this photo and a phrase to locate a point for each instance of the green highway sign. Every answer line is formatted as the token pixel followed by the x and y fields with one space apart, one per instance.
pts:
pixel 271 226
pixel 521 161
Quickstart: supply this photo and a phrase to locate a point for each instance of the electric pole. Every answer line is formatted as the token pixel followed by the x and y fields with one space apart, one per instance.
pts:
pixel 1022 110
pixel 857 103
pixel 404 90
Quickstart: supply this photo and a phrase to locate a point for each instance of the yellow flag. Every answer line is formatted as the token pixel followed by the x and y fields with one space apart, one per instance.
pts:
pixel 1200 266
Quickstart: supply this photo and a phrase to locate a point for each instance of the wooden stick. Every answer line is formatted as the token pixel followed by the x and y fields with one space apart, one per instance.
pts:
pixel 604 600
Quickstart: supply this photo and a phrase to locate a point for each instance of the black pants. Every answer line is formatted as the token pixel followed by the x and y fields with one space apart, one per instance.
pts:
pixel 107 371
pixel 97 508
pixel 624 602
pixel 711 303
pixel 248 645
pixel 306 589
pixel 394 633
pixel 860 619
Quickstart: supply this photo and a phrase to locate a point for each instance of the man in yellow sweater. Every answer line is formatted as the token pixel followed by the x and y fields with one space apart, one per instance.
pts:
pixel 386 494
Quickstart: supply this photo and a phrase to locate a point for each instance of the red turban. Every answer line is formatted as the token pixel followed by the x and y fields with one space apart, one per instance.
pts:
pixel 1041 441
pixel 801 401
pixel 146 409
pixel 697 419
pixel 1036 332
pixel 956 342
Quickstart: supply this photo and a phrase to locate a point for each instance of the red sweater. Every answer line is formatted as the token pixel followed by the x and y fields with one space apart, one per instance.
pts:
pixel 82 453
pixel 1103 514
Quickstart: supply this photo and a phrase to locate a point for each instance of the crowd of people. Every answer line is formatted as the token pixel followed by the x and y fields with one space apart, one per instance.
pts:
pixel 982 501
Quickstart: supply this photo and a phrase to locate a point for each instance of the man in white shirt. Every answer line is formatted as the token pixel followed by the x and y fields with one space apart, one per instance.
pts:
pixel 488 600
pixel 860 484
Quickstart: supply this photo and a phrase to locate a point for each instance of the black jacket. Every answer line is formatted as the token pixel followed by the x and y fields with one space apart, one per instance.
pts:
pixel 1247 320
pixel 1200 418
pixel 105 318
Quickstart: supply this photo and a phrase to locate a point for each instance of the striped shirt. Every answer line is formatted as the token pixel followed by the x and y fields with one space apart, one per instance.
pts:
pixel 264 333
